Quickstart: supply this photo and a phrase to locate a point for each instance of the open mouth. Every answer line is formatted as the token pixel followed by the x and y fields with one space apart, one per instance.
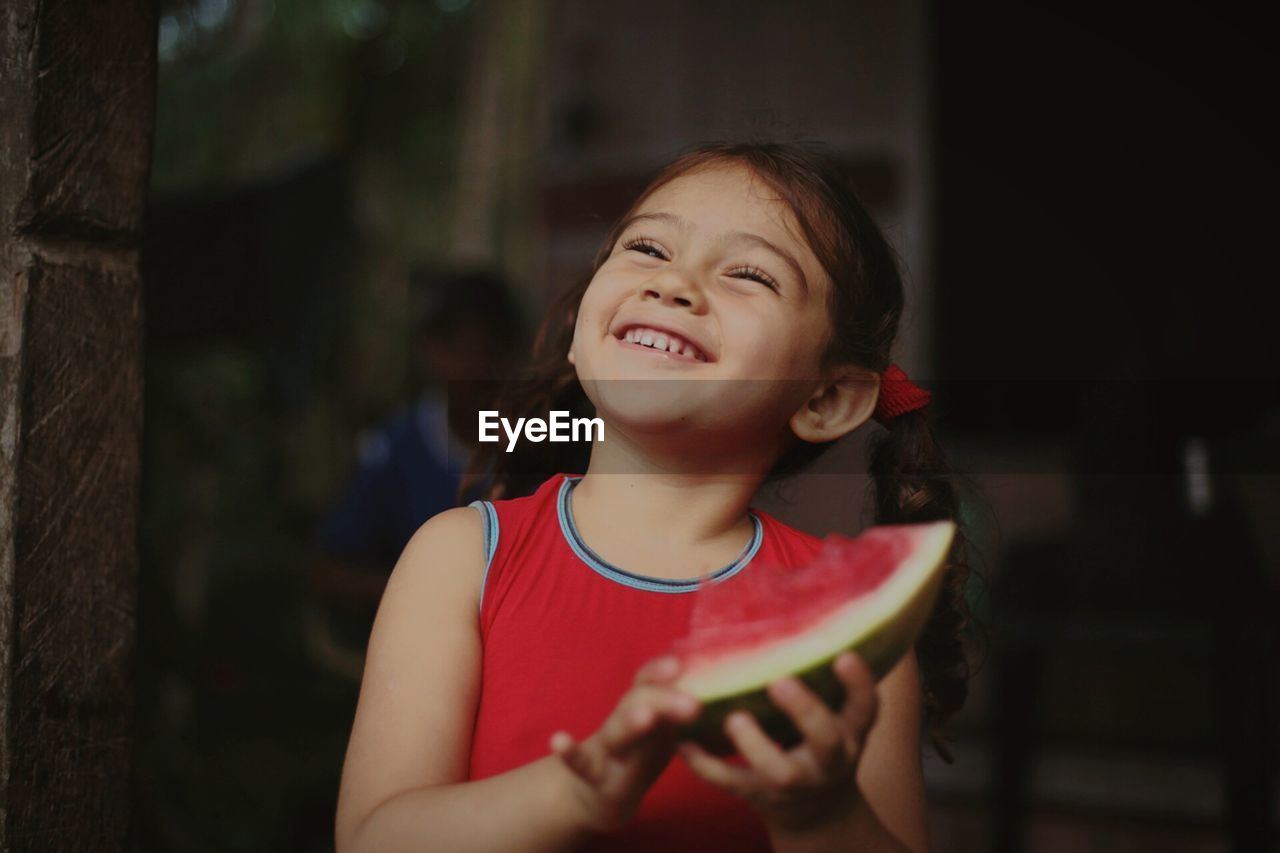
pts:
pixel 662 342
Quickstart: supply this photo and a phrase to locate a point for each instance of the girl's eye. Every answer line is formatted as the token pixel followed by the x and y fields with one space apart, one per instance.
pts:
pixel 755 274
pixel 646 246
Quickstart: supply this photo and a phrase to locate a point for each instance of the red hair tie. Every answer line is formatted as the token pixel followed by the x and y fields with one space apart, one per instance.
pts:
pixel 898 395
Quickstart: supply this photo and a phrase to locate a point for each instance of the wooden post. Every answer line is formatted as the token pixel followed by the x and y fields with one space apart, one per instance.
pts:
pixel 77 96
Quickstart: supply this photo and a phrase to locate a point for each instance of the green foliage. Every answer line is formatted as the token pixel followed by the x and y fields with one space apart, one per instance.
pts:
pixel 248 94
pixel 327 128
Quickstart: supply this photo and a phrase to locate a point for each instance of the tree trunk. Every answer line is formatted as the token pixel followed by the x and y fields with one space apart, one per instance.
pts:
pixel 77 95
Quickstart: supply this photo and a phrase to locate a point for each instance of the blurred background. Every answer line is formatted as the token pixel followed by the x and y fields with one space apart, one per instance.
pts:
pixel 354 202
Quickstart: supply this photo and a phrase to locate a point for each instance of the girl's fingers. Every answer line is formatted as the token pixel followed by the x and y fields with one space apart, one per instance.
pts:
pixel 573 755
pixel 561 743
pixel 638 717
pixel 821 728
pixel 659 670
pixel 736 780
pixel 761 752
pixel 680 707
pixel 861 703
pixel 626 725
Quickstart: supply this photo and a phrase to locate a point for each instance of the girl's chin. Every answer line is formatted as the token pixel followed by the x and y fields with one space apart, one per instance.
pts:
pixel 651 402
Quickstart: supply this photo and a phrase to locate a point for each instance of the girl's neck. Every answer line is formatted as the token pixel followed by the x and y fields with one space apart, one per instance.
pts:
pixel 660 502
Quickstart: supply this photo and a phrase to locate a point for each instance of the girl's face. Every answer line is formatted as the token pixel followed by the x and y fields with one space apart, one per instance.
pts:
pixel 709 280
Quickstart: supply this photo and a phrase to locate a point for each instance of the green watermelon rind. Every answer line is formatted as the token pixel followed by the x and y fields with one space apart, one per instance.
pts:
pixel 881 642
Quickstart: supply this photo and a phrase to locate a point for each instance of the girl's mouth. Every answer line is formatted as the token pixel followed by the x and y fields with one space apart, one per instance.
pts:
pixel 660 342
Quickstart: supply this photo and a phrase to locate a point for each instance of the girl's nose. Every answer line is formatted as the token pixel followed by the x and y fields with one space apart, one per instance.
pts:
pixel 669 288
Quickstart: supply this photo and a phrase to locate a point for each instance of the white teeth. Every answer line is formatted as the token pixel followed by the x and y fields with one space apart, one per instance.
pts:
pixel 663 342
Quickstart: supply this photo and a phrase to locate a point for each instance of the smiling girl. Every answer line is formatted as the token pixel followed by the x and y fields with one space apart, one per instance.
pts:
pixel 515 694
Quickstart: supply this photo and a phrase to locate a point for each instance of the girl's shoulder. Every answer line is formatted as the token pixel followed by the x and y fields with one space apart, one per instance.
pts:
pixel 785 543
pixel 514 512
pixel 443 562
pixel 508 520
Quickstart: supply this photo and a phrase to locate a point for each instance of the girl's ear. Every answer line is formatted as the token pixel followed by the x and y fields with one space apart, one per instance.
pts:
pixel 838 406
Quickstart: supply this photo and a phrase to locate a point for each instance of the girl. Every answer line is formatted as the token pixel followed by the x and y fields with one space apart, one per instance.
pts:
pixel 514 693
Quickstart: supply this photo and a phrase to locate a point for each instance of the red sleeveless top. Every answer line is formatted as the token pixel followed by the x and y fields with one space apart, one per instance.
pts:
pixel 564 632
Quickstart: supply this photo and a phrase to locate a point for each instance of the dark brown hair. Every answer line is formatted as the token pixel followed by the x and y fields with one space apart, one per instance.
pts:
pixel 911 479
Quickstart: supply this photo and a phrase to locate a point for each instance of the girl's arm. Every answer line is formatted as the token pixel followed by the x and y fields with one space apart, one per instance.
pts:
pixel 890 774
pixel 411 738
pixel 404 781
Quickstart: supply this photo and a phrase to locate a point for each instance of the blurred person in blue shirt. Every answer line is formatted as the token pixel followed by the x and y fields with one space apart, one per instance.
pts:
pixel 466 328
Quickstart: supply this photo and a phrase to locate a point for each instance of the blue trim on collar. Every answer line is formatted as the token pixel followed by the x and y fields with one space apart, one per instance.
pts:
pixel 645 582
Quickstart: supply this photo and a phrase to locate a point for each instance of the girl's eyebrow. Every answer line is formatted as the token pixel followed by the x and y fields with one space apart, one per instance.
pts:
pixel 728 237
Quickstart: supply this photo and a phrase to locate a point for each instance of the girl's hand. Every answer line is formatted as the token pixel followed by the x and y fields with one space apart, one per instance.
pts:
pixel 813 783
pixel 616 765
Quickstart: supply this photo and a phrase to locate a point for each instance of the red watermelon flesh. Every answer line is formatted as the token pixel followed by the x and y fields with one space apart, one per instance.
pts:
pixel 770 601
pixel 871 594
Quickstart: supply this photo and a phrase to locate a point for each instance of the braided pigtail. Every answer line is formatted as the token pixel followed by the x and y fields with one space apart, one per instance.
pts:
pixel 913 483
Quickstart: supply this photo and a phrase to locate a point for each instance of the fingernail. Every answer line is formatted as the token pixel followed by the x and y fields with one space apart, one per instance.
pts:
pixel 786 686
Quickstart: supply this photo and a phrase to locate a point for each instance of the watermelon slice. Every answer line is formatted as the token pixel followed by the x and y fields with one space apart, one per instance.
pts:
pixel 872 594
